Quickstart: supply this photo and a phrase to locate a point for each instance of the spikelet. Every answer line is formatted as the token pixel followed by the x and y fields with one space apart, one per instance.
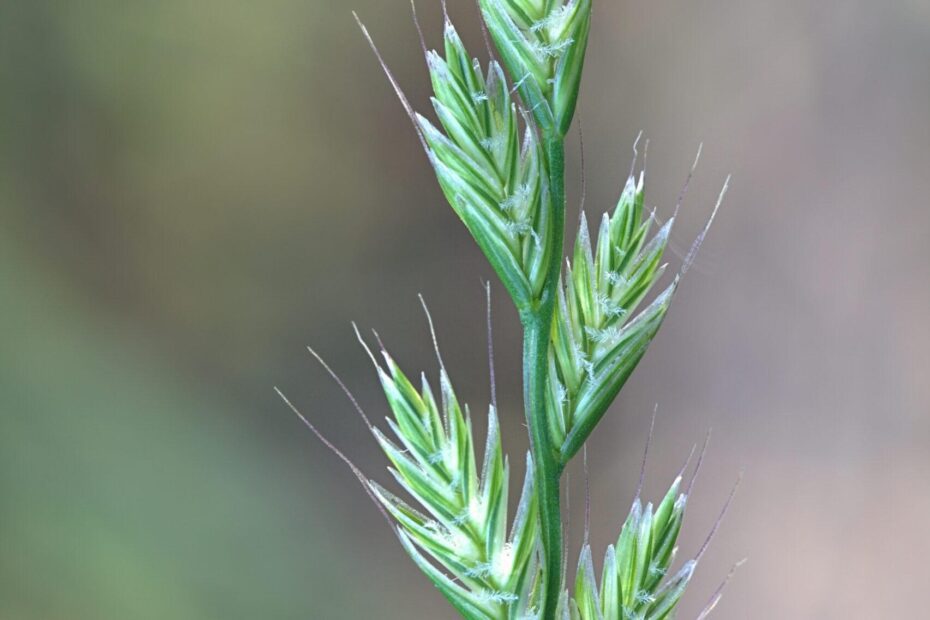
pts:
pixel 543 44
pixel 635 584
pixel 494 178
pixel 458 535
pixel 597 337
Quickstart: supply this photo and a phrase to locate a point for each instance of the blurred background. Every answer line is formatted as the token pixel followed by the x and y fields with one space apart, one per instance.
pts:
pixel 191 192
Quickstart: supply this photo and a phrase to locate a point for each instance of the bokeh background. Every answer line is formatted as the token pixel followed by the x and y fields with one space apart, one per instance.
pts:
pixel 191 192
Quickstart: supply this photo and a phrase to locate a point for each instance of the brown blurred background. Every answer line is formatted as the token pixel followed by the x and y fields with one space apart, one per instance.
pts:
pixel 193 191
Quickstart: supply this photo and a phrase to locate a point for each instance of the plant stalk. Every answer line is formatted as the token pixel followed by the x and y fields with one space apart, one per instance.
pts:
pixel 537 328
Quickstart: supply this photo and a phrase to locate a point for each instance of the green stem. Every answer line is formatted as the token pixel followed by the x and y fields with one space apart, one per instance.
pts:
pixel 537 328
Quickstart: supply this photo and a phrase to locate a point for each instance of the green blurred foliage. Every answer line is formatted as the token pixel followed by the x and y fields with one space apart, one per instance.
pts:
pixel 149 152
pixel 128 495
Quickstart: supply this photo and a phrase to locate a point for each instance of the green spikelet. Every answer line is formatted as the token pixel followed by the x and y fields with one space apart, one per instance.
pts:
pixel 597 339
pixel 543 44
pixel 635 583
pixel 491 168
pixel 461 523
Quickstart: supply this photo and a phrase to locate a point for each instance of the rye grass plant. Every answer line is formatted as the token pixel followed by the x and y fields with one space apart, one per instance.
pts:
pixel 496 141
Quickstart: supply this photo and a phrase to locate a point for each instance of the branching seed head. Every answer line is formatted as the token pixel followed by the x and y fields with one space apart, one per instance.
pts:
pixel 499 160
